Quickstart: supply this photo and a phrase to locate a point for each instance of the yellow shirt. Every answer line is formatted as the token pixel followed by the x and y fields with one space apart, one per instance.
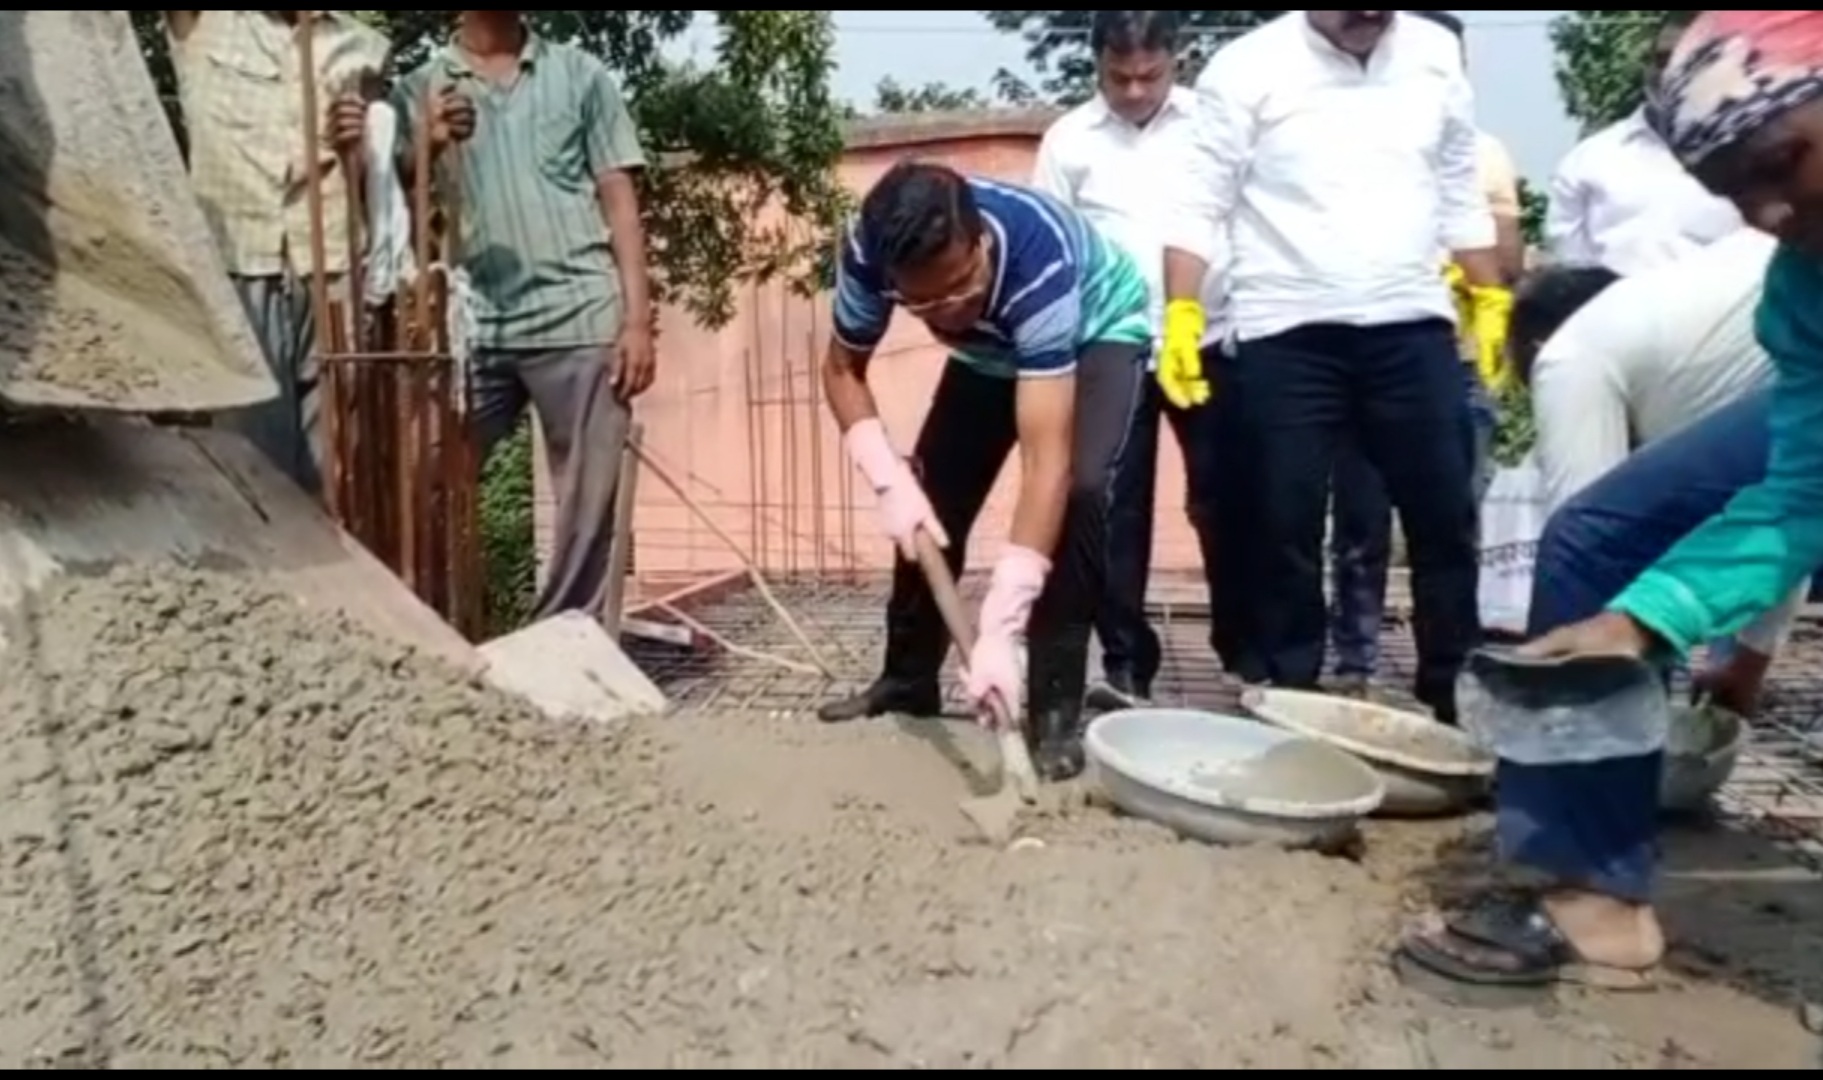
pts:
pixel 239 84
pixel 1499 179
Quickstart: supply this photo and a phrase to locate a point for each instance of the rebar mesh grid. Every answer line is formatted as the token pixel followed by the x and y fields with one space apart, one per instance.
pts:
pixel 845 620
pixel 1778 784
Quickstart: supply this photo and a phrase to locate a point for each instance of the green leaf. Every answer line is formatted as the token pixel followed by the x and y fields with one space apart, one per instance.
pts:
pixel 508 549
pixel 1601 57
pixel 1516 433
pixel 890 97
pixel 1533 205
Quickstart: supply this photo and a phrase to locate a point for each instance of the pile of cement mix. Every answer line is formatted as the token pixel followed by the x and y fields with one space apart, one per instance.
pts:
pixel 112 294
pixel 238 834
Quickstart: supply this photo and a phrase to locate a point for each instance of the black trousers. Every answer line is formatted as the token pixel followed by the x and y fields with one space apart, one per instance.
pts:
pixel 1130 648
pixel 1397 389
pixel 961 450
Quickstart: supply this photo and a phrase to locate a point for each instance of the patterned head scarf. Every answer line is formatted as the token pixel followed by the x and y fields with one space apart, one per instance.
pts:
pixel 1733 73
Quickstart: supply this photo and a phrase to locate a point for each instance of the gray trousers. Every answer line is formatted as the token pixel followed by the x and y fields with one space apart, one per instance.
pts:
pixel 287 429
pixel 585 433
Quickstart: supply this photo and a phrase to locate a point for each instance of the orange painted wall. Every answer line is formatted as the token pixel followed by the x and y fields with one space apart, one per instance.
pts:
pixel 737 416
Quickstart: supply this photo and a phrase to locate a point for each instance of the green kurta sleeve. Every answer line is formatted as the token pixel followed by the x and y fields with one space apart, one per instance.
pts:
pixel 1745 560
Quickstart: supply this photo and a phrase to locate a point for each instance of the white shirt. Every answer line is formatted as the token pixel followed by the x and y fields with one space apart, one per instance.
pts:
pixel 1336 181
pixel 1650 355
pixel 1109 169
pixel 1621 200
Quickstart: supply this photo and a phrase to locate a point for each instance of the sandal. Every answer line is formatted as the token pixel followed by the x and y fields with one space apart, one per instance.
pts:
pixel 1509 944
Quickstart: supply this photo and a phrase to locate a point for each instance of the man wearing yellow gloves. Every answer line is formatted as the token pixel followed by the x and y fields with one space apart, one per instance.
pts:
pixel 1097 159
pixel 1485 311
pixel 1336 148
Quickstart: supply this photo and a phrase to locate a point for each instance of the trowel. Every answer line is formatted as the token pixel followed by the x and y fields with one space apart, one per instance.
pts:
pixel 994 815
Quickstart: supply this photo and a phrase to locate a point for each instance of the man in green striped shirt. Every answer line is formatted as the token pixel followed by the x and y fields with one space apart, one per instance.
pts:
pixel 552 242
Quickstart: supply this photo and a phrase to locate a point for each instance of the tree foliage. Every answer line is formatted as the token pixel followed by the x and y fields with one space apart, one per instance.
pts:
pixel 1600 58
pixel 508 532
pixel 756 127
pixel 1533 205
pixel 891 97
pixel 1057 45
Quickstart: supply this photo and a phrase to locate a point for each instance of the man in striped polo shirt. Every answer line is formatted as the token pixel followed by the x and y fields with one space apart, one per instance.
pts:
pixel 1047 323
pixel 552 241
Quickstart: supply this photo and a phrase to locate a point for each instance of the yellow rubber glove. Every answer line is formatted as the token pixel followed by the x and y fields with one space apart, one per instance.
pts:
pixel 1180 356
pixel 1490 311
pixel 1459 292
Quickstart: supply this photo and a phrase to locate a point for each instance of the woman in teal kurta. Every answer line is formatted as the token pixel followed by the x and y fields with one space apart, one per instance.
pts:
pixel 1737 566
pixel 1741 104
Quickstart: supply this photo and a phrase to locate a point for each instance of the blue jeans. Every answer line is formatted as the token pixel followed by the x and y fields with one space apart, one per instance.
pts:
pixel 1595 826
pixel 1361 536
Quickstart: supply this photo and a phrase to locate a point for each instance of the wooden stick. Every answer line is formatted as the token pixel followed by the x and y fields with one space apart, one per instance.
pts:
pixel 313 198
pixel 1015 760
pixel 686 592
pixel 753 571
pixel 739 650
pixel 620 550
pixel 335 397
pixel 409 382
pixel 353 169
pixel 420 212
pixel 943 591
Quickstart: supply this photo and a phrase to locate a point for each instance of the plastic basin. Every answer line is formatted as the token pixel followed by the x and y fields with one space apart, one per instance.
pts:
pixel 1226 780
pixel 1428 768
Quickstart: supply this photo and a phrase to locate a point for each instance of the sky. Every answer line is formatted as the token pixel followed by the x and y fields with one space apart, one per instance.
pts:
pixel 1509 63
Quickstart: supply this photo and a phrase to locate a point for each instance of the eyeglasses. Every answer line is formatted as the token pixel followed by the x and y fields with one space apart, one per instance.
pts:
pixel 980 277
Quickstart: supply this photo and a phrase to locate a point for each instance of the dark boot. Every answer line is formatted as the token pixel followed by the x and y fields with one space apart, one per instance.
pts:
pixel 1441 702
pixel 915 643
pixel 1117 690
pixel 1055 734
pixel 888 694
pixel 1057 668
